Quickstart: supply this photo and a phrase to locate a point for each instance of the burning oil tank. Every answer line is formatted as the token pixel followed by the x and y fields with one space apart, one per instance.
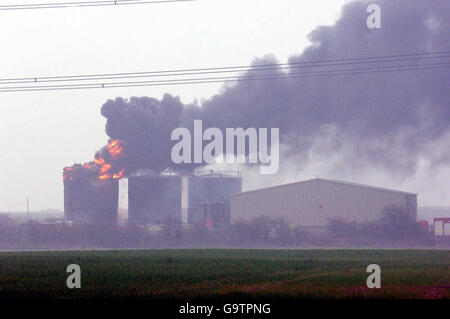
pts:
pixel 212 186
pixel 154 200
pixel 91 201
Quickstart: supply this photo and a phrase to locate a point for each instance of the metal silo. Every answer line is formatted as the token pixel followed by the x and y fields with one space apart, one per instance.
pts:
pixel 154 200
pixel 212 186
pixel 91 201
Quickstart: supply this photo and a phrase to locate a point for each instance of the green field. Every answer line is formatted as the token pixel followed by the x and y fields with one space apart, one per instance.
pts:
pixel 226 273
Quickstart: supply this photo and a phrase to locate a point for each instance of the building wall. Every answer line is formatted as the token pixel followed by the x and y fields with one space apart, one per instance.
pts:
pixel 312 203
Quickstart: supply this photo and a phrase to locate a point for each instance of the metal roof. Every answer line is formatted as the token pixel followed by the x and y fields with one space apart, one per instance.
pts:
pixel 334 181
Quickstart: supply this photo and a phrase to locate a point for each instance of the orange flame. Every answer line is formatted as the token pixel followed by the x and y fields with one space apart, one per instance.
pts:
pixel 87 165
pixel 105 168
pixel 114 148
pixel 119 174
pixel 67 173
pixel 99 163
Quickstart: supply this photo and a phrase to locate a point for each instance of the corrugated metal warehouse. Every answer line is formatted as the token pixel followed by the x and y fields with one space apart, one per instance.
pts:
pixel 314 202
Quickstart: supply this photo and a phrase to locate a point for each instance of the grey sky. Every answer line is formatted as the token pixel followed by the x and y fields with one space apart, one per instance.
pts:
pixel 46 131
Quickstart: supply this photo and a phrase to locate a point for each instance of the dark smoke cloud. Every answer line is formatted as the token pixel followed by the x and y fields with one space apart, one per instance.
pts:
pixel 388 117
pixel 145 125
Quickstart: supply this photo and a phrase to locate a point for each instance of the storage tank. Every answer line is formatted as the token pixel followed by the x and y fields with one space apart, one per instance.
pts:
pixel 154 200
pixel 210 213
pixel 212 186
pixel 91 201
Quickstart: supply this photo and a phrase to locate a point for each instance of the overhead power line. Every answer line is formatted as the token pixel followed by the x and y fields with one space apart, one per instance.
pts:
pixel 216 70
pixel 101 3
pixel 228 69
pixel 372 65
pixel 212 80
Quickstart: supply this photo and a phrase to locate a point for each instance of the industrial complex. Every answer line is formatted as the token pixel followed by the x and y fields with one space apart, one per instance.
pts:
pixel 154 199
pixel 174 206
pixel 204 197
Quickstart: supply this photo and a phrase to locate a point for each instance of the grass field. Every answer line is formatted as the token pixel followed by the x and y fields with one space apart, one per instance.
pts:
pixel 226 273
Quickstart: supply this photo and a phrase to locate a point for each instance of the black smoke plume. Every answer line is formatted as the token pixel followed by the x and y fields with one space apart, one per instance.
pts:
pixel 389 118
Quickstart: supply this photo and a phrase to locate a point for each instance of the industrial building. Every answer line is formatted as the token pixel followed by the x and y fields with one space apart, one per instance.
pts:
pixel 441 231
pixel 91 201
pixel 314 202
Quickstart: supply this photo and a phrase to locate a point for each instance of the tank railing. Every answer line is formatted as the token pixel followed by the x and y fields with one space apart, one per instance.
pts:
pixel 213 173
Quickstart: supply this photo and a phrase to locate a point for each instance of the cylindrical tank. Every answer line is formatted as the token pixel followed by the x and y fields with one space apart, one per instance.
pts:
pixel 154 200
pixel 210 213
pixel 213 186
pixel 91 201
